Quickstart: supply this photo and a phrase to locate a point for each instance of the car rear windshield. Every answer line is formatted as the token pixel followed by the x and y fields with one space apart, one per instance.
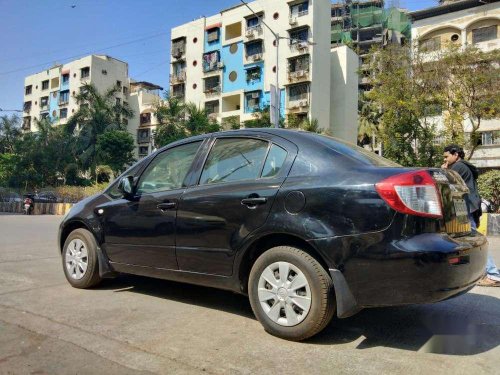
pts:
pixel 354 152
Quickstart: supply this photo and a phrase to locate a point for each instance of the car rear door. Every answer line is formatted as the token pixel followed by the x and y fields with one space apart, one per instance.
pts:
pixel 236 188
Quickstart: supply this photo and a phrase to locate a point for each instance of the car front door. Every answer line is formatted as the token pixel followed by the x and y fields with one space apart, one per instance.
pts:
pixel 237 187
pixel 141 230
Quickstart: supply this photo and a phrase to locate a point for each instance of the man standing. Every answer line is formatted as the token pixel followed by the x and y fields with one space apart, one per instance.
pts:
pixel 453 159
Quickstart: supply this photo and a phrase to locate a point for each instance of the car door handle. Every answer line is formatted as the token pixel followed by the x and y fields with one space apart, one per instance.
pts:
pixel 166 206
pixel 253 201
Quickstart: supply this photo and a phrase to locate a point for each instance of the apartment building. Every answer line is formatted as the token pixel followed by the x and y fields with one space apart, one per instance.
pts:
pixel 227 63
pixel 464 23
pixel 51 94
pixel 143 98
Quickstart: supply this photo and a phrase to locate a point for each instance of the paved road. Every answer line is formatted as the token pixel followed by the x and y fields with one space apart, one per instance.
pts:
pixel 138 325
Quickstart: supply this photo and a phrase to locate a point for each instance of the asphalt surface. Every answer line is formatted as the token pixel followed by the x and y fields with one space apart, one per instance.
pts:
pixel 134 325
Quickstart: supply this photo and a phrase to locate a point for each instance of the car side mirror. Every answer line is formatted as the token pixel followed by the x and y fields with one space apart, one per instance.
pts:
pixel 125 186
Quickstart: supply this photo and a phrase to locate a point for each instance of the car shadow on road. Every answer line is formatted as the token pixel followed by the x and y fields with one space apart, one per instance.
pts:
pixel 466 325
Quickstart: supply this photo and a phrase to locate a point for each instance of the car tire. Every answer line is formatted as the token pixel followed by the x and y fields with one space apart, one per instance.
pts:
pixel 303 312
pixel 79 259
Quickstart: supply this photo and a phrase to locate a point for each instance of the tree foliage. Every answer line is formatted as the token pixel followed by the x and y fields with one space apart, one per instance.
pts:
pixel 178 120
pixel 411 88
pixel 489 187
pixel 115 148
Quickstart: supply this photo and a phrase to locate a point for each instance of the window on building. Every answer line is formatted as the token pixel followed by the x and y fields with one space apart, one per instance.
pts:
pixel 64 97
pixel 178 91
pixel 211 61
pixel 63 113
pixel 484 34
pixel 432 44
pixel 253 22
pixel 299 35
pixel 44 116
pixel 254 49
pixel 85 72
pixel 253 101
pixel 299 10
pixel 119 84
pixel 299 92
pixel 125 90
pixel 233 30
pixel 45 85
pixel 28 89
pixel 143 151
pixel 143 136
pixel 145 118
pixel 44 101
pixel 254 73
pixel 27 123
pixel 213 35
pixel 178 47
pixel 27 106
pixel 212 107
pixel 118 101
pixel 65 78
pixel 300 63
pixel 433 109
pixel 212 84
pixel 490 138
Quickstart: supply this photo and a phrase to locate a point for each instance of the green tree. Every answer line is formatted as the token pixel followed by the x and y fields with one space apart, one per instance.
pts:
pixel 97 114
pixel 115 148
pixel 10 133
pixel 261 119
pixel 180 120
pixel 489 187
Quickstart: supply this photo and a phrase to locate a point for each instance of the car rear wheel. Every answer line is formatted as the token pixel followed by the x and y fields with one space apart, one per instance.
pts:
pixel 291 293
pixel 80 261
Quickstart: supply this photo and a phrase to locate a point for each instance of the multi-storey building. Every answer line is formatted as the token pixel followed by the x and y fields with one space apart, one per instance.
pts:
pixel 51 94
pixel 227 63
pixel 467 22
pixel 143 99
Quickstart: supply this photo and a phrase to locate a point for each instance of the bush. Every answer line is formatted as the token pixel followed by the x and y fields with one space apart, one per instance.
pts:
pixel 489 187
pixel 73 194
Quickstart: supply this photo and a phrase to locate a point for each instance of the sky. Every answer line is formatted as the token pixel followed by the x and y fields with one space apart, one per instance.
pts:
pixel 36 34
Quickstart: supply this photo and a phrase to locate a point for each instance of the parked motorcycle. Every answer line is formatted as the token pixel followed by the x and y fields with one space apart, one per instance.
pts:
pixel 28 206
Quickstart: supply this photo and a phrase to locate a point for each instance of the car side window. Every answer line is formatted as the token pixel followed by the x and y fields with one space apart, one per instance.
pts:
pixel 168 170
pixel 234 159
pixel 274 161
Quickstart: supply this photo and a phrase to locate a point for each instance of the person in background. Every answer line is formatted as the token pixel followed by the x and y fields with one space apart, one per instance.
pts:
pixel 454 160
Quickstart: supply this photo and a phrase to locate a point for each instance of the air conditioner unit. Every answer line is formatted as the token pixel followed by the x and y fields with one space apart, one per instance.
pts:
pixel 255 95
pixel 303 103
pixel 257 57
pixel 220 65
pixel 302 45
pixel 300 73
pixel 293 21
pixel 250 33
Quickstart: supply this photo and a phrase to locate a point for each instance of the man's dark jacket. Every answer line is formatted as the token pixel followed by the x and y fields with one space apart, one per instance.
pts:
pixel 469 174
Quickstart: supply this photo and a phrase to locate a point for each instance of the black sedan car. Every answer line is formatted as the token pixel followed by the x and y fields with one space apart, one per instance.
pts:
pixel 306 225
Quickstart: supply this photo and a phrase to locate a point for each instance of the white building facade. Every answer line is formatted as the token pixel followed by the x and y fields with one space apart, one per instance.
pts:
pixel 463 23
pixel 227 63
pixel 51 94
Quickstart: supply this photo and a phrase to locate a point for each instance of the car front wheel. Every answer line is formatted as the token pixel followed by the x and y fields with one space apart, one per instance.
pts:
pixel 79 258
pixel 291 293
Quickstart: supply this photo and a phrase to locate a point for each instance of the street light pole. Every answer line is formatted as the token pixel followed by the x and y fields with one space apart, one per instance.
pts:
pixel 277 40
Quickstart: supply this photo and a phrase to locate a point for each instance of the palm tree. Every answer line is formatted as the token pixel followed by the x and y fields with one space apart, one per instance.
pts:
pixel 97 114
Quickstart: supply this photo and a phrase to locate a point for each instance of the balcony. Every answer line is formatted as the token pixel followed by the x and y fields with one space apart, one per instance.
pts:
pixel 212 91
pixel 298 76
pixel 255 57
pixel 178 77
pixel 254 32
pixel 63 102
pixel 300 46
pixel 298 105
pixel 212 66
pixel 178 91
pixel 26 123
pixel 145 119
pixel 143 139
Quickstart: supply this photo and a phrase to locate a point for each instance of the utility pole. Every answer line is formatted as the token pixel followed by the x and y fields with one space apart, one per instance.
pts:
pixel 278 91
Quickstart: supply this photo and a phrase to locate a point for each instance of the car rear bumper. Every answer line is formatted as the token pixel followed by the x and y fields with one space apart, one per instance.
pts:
pixel 420 269
pixel 423 268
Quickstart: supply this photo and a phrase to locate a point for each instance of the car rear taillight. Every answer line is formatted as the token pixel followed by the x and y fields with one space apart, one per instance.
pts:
pixel 413 193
